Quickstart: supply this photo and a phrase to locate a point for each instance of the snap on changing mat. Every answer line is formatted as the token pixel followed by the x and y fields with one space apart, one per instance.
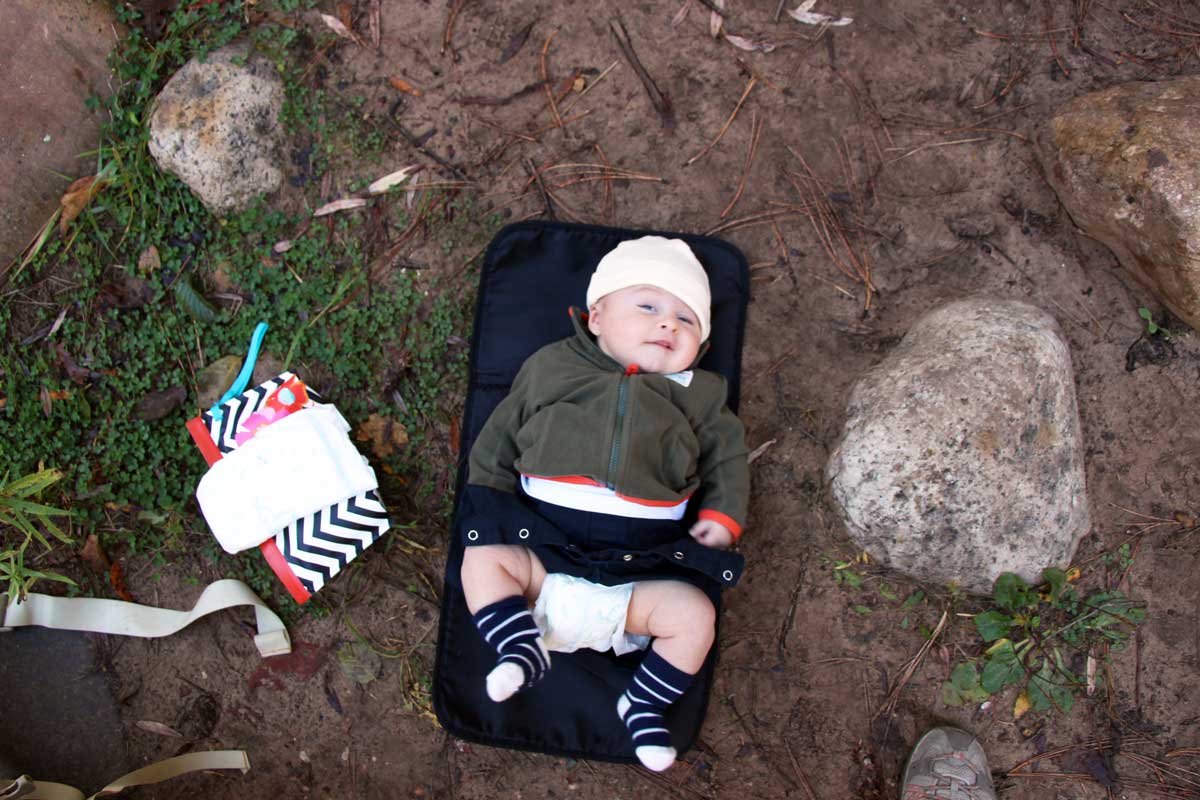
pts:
pixel 532 273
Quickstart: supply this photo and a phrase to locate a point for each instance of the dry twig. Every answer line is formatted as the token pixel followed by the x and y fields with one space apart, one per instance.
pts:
pixel 889 705
pixel 725 127
pixel 756 125
pixel 546 84
pixel 659 99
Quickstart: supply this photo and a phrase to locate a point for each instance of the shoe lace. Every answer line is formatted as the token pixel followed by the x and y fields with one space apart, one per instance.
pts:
pixel 952 778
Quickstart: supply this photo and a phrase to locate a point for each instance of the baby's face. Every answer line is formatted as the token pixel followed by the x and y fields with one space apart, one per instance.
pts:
pixel 647 326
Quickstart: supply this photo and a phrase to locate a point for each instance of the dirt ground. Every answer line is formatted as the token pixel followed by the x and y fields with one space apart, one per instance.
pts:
pixel 917 118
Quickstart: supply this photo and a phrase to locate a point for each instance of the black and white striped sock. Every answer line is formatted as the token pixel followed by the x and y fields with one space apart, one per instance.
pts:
pixel 656 685
pixel 508 626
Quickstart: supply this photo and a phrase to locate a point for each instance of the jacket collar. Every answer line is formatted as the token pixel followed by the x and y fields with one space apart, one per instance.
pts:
pixel 585 344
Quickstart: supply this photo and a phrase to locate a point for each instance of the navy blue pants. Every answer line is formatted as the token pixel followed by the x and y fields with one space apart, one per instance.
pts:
pixel 603 548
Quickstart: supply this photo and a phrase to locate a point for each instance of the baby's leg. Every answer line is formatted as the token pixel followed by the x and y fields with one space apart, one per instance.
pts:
pixel 499 581
pixel 497 571
pixel 682 620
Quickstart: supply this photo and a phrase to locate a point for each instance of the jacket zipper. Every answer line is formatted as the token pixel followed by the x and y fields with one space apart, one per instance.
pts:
pixel 622 393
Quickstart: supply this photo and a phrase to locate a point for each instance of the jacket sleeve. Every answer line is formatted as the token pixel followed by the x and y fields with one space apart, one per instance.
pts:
pixel 724 469
pixel 495 449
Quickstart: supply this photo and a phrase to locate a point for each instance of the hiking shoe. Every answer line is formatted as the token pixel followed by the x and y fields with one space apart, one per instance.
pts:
pixel 948 764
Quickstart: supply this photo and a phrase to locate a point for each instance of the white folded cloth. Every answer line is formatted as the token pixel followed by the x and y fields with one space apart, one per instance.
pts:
pixel 291 469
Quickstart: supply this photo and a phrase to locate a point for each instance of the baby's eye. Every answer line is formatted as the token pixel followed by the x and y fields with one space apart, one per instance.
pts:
pixel 685 320
pixel 645 306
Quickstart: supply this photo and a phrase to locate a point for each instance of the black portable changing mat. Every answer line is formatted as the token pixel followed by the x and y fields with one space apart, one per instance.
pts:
pixel 532 273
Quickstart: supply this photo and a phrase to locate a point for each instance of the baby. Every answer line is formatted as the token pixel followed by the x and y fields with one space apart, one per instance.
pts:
pixel 606 435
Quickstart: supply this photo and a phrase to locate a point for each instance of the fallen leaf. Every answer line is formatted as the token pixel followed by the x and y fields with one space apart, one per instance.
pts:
pixel 341 29
pixel 220 278
pixel 579 84
pixel 74 371
pixel 373 25
pixel 76 199
pixel 681 14
pixel 149 261
pixel 804 13
pixel 331 695
pixel 392 179
pixel 300 664
pixel 150 726
pixel 214 379
pixel 714 19
pixel 1073 574
pixel 282 246
pixel 384 434
pixel 455 435
pixel 94 554
pixel 344 11
pixel 157 405
pixel 117 579
pixel 758 451
pixel 47 405
pixel 1090 672
pixel 749 45
pixel 1021 705
pixel 1186 520
pixel 401 85
pixel 340 205
pixel 359 662
pixel 515 43
pixel 125 291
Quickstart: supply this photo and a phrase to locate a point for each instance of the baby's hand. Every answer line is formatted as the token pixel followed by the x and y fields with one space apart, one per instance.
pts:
pixel 711 533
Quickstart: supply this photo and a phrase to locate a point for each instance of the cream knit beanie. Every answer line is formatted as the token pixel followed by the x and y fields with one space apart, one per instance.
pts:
pixel 667 264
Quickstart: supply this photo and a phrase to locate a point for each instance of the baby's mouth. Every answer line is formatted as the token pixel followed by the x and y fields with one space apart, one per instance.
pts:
pixel 663 343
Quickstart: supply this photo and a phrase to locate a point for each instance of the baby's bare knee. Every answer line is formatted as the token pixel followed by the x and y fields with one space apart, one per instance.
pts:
pixel 689 612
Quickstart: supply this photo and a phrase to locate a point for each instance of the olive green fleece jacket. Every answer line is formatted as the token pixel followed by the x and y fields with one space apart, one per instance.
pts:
pixel 574 412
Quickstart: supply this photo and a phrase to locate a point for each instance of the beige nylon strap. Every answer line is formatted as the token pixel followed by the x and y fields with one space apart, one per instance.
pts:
pixel 130 619
pixel 24 787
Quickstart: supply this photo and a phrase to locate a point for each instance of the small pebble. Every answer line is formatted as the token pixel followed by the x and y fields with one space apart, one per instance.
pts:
pixel 46 138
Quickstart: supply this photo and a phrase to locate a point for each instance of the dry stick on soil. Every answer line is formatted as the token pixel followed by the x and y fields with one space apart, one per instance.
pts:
pixel 532 171
pixel 804 784
pixel 760 218
pixel 1014 134
pixel 826 223
pixel 1053 43
pixel 725 127
pixel 373 27
pixel 608 201
pixel 914 663
pixel 575 100
pixel 756 126
pixel 660 101
pixel 451 17
pixel 931 145
pixel 546 79
pixel 416 144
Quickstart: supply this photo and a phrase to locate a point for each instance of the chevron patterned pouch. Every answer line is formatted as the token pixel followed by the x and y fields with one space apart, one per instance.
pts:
pixel 308 552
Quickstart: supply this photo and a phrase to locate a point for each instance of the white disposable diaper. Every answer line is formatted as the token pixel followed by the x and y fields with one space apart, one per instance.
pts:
pixel 573 613
pixel 291 469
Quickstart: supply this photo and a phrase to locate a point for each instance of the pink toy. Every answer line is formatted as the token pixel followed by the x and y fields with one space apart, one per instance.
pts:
pixel 291 396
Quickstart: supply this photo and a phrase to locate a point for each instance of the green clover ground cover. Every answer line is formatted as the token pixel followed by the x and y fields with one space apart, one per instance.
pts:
pixel 73 399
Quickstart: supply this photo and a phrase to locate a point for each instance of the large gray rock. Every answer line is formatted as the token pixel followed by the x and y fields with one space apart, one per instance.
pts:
pixel 1126 164
pixel 215 125
pixel 961 457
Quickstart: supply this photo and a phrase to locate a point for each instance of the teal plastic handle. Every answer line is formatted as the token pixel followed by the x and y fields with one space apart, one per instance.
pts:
pixel 243 378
